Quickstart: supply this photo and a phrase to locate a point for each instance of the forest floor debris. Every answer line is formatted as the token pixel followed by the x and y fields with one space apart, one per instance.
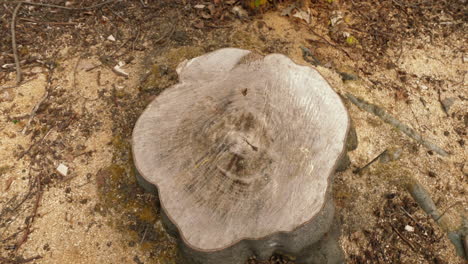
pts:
pixel 408 59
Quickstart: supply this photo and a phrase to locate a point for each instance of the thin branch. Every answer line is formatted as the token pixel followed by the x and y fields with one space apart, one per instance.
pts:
pixel 13 44
pixel 33 112
pixel 387 118
pixel 331 44
pixel 59 6
pixel 403 238
pixel 27 230
pixel 18 260
pixel 74 72
pixel 356 171
pixel 445 211
pixel 48 22
pixel 13 32
pixel 144 235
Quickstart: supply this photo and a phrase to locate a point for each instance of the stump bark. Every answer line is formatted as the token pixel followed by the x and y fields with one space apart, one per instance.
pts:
pixel 242 153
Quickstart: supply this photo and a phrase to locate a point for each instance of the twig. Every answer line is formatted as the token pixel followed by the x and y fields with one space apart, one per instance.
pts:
pixel 98 78
pixel 6 209
pixel 49 22
pixel 8 87
pixel 36 107
pixel 374 109
pixel 111 54
pixel 74 72
pixel 145 5
pixel 331 44
pixel 27 231
pixel 167 35
pixel 415 117
pixel 306 53
pixel 441 103
pixel 33 144
pixel 34 110
pixel 59 6
pixel 356 171
pixel 144 235
pixel 13 44
pixel 18 260
pixel 11 236
pixel 411 217
pixel 136 38
pixel 13 32
pixel 445 211
pixel 403 238
pixel 16 85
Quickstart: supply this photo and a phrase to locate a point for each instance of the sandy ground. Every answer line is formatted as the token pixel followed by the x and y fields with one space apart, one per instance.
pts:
pixel 96 213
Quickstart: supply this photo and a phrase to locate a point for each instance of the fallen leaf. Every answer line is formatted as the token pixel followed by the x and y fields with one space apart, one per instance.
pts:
pixel 85 65
pixel 239 12
pixel 199 24
pixel 205 15
pixel 447 103
pixel 288 10
pixel 118 69
pixel 8 183
pixel 212 9
pixel 303 15
pixel 7 95
pixel 351 40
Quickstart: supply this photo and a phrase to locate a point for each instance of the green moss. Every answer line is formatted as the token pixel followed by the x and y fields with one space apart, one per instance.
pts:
pixel 4 169
pixel 177 55
pixel 122 200
pixel 162 72
pixel 246 40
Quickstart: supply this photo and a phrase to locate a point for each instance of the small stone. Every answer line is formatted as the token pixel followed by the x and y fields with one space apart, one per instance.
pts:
pixel 111 38
pixel 240 12
pixel 409 228
pixel 37 69
pixel 62 169
pixel 391 154
pixel 447 103
pixel 7 95
pixel 465 169
pixel 119 71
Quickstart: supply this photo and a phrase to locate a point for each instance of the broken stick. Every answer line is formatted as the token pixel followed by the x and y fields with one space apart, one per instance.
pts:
pixel 387 118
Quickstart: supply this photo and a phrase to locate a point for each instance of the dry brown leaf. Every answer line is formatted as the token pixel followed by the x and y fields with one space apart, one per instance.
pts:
pixel 8 183
pixel 199 24
pixel 205 15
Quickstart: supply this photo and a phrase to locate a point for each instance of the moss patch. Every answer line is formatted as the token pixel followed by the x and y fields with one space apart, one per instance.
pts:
pixel 162 73
pixel 133 213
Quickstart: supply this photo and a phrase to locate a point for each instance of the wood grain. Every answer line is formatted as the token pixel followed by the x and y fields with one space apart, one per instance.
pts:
pixel 243 147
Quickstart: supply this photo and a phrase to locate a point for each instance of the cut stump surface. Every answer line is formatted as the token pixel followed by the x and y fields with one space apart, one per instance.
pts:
pixel 242 148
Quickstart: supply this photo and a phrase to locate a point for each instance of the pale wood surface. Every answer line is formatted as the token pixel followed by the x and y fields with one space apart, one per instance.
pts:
pixel 243 147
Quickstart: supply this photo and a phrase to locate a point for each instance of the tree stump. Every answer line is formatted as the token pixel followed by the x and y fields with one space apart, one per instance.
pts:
pixel 242 152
